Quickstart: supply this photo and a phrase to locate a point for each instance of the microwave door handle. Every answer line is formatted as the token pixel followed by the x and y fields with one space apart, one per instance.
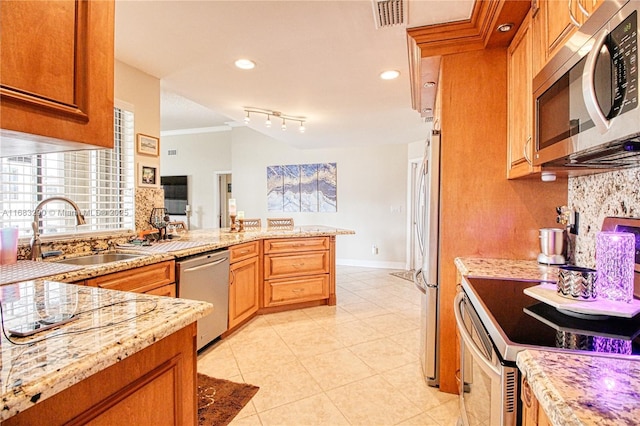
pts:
pixel 588 85
pixel 468 340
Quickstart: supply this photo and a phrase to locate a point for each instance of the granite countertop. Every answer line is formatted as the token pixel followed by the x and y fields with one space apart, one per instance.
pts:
pixel 189 243
pixel 108 327
pixel 583 390
pixel 573 389
pixel 506 268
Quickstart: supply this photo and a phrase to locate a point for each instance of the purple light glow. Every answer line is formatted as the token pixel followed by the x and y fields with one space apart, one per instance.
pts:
pixel 615 253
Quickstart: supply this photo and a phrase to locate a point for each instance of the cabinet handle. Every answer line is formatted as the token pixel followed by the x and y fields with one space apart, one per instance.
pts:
pixel 233 277
pixel 582 9
pixel 573 19
pixel 526 151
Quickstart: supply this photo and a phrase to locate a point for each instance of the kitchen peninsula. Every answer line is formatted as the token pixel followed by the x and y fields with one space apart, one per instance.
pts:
pixel 122 354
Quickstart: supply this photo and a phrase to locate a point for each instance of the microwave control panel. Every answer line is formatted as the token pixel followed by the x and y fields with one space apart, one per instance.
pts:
pixel 623 47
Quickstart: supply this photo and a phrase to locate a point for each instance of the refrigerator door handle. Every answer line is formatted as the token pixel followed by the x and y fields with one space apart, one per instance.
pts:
pixel 418 280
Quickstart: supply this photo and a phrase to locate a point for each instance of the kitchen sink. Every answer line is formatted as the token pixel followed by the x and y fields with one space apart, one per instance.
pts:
pixel 97 259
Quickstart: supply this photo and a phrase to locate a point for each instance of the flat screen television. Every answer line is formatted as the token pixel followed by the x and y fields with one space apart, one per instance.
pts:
pixel 176 190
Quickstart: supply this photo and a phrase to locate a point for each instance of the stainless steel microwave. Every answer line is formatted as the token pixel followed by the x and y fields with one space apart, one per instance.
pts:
pixel 586 99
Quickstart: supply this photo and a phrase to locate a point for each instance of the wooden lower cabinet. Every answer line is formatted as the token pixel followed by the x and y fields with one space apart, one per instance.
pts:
pixel 244 283
pixel 168 290
pixel 532 412
pixel 298 270
pixel 157 279
pixel 296 290
pixel 156 386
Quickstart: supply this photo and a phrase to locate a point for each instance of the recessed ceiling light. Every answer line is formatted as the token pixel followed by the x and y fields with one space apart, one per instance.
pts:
pixel 389 75
pixel 429 84
pixel 505 28
pixel 245 64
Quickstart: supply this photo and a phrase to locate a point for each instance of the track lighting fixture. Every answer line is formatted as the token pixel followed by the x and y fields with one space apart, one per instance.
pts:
pixel 278 114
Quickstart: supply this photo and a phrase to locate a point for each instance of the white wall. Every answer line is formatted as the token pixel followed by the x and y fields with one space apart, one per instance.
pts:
pixel 143 92
pixel 371 182
pixel 199 156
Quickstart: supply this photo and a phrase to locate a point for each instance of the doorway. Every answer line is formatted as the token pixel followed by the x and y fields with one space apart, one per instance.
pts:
pixel 224 192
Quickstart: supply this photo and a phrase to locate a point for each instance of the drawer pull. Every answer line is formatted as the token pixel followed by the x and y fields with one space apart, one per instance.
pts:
pixel 244 251
pixel 297 290
pixel 298 265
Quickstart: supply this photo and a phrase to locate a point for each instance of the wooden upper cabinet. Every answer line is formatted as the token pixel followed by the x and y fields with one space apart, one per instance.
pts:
pixel 560 26
pixel 56 77
pixel 537 27
pixel 563 18
pixel 520 102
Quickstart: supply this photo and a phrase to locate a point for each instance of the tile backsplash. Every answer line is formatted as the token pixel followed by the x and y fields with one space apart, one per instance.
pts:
pixel 597 196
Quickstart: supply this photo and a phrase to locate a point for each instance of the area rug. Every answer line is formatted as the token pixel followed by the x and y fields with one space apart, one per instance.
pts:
pixel 219 401
pixel 407 275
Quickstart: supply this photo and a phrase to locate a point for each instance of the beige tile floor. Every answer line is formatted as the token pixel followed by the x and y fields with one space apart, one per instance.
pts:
pixel 351 364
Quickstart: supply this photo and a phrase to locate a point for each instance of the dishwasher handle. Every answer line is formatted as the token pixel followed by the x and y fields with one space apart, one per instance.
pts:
pixel 206 265
pixel 481 358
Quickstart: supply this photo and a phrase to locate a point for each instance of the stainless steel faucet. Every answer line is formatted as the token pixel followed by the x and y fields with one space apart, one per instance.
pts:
pixel 36 251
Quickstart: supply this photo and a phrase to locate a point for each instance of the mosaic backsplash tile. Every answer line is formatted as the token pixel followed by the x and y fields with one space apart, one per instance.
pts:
pixel 597 196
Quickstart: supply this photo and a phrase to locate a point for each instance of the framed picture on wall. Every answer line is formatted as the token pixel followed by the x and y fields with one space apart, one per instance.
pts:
pixel 148 175
pixel 148 145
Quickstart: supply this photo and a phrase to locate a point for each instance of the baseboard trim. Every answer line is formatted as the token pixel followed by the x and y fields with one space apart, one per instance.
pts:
pixel 371 264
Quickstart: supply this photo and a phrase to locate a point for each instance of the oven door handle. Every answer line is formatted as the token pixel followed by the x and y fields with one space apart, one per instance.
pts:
pixel 468 340
pixel 588 85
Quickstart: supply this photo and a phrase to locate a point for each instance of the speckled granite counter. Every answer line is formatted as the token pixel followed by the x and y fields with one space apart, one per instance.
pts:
pixel 109 327
pixel 584 390
pixel 189 243
pixel 506 268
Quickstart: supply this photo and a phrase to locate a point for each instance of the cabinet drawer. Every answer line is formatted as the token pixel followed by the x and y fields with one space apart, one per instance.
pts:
pixel 290 265
pixel 244 251
pixel 140 280
pixel 284 245
pixel 293 290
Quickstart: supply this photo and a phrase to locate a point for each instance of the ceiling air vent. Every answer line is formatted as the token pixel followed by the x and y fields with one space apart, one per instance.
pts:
pixel 172 152
pixel 389 13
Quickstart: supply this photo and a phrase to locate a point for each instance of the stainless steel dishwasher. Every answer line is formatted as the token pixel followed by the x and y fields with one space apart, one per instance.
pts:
pixel 206 278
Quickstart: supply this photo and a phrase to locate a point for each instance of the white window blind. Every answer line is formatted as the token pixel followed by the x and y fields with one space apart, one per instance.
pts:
pixel 100 182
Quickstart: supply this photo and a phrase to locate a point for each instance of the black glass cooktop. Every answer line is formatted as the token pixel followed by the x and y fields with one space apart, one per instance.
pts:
pixel 527 321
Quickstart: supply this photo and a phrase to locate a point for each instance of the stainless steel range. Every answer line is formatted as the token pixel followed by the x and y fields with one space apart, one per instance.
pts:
pixel 496 320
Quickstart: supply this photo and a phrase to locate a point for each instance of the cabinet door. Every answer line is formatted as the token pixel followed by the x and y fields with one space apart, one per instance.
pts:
pixel 520 102
pixel 244 251
pixel 286 245
pixel 289 265
pixel 243 290
pixel 140 280
pixel 538 39
pixel 168 290
pixel 559 23
pixel 294 290
pixel 56 74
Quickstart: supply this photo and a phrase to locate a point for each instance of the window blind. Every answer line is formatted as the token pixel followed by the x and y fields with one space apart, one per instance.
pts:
pixel 100 182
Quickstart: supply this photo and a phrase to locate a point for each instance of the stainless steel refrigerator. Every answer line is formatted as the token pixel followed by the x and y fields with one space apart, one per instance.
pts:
pixel 426 276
